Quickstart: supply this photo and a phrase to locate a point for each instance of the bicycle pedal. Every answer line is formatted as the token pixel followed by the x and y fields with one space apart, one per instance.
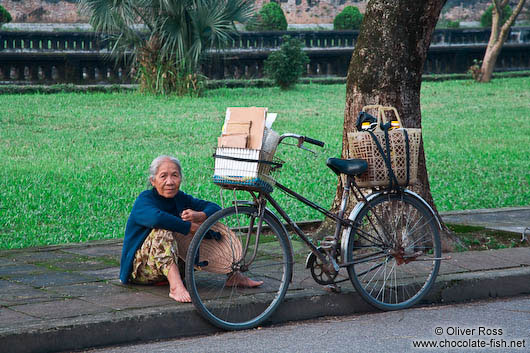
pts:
pixel 524 236
pixel 333 288
pixel 328 242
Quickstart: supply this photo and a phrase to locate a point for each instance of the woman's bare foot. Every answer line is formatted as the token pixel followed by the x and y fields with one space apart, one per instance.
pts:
pixel 181 295
pixel 177 291
pixel 238 280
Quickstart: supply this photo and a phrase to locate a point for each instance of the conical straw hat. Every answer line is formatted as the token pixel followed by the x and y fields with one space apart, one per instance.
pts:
pixel 220 254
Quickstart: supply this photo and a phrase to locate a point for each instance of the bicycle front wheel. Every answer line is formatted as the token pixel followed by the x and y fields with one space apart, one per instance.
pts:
pixel 395 251
pixel 218 270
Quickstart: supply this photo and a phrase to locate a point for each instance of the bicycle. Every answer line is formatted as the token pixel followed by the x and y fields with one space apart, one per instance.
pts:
pixel 389 244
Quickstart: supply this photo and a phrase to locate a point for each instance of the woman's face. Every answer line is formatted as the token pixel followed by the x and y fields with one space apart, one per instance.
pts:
pixel 167 179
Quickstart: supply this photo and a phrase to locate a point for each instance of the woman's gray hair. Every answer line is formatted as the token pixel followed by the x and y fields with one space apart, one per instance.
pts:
pixel 155 164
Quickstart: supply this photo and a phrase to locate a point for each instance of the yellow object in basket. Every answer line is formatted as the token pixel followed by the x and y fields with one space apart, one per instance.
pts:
pixel 364 147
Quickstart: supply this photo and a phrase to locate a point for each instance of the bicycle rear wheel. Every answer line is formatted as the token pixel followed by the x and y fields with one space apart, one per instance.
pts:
pixel 395 251
pixel 267 259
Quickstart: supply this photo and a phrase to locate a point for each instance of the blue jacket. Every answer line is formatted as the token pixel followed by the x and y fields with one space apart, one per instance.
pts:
pixel 150 210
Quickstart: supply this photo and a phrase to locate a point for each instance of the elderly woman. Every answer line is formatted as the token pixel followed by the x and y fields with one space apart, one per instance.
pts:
pixel 162 217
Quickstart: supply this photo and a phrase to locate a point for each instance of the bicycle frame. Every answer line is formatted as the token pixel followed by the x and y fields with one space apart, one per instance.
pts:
pixel 339 219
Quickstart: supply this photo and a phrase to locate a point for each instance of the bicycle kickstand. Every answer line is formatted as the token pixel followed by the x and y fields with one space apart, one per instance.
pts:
pixel 333 287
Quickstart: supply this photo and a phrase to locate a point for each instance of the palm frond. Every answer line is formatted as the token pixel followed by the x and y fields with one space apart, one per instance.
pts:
pixel 176 34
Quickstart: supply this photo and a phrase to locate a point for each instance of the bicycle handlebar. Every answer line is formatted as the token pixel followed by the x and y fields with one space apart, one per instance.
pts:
pixel 313 141
pixel 301 139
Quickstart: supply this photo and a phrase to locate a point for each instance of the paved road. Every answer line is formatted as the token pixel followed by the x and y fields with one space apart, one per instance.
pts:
pixel 68 297
pixel 489 323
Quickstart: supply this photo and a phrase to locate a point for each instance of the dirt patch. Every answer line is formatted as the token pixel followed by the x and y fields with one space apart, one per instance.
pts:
pixel 472 237
pixel 480 238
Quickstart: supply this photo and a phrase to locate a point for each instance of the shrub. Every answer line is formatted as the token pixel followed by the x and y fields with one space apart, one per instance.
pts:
pixel 286 65
pixel 164 76
pixel 169 80
pixel 349 18
pixel 442 23
pixel 474 70
pixel 269 18
pixel 486 18
pixel 453 24
pixel 5 16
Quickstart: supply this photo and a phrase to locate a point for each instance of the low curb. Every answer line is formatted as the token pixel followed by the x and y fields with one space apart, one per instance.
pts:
pixel 168 322
pixel 484 210
pixel 215 84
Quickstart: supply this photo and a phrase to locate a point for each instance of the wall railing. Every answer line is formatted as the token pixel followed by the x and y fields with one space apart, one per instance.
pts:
pixel 83 57
pixel 89 41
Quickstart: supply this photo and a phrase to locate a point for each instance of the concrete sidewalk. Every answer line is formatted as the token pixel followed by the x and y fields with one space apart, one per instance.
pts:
pixel 61 298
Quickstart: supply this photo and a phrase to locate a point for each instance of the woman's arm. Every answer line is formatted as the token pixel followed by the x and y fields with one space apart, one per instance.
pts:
pixel 195 210
pixel 198 205
pixel 146 213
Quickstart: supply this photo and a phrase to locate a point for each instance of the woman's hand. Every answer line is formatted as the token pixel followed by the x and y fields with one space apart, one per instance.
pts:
pixel 194 227
pixel 193 216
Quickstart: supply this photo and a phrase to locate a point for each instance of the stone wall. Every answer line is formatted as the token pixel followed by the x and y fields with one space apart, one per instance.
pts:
pixel 66 11
pixel 43 11
pixel 296 11
pixel 313 11
pixel 473 10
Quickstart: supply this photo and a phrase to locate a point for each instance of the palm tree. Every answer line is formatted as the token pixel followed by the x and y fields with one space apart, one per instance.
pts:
pixel 167 38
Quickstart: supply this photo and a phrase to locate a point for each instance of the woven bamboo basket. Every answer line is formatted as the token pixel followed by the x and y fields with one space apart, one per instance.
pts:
pixel 364 147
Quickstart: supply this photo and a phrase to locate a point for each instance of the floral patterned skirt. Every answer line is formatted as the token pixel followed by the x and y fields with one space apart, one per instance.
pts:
pixel 162 248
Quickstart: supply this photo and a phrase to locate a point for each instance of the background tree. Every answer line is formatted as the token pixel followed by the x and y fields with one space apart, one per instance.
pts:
pixel 386 68
pixel 499 33
pixel 5 16
pixel 175 35
pixel 286 65
pixel 269 18
pixel 485 19
pixel 349 18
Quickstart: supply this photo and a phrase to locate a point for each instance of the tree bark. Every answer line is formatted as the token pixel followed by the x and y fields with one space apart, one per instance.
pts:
pixel 386 68
pixel 497 38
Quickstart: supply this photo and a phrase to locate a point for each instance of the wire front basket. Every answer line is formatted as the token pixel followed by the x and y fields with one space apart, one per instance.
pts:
pixel 242 168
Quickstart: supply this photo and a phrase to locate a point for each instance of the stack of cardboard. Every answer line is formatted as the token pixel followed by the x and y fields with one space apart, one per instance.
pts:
pixel 243 128
pixel 246 138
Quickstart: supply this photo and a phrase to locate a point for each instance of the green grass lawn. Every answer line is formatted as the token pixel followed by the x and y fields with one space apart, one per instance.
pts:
pixel 72 164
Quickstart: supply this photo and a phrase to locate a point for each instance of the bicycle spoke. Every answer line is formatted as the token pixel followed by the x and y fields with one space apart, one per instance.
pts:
pixel 398 280
pixel 369 257
pixel 248 258
pixel 383 263
pixel 367 236
pixel 369 217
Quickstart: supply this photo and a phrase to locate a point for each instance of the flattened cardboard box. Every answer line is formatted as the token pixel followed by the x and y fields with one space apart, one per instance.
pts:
pixel 235 140
pixel 238 117
pixel 235 128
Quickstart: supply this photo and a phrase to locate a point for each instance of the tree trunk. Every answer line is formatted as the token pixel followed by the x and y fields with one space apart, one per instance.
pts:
pixel 497 38
pixel 386 68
